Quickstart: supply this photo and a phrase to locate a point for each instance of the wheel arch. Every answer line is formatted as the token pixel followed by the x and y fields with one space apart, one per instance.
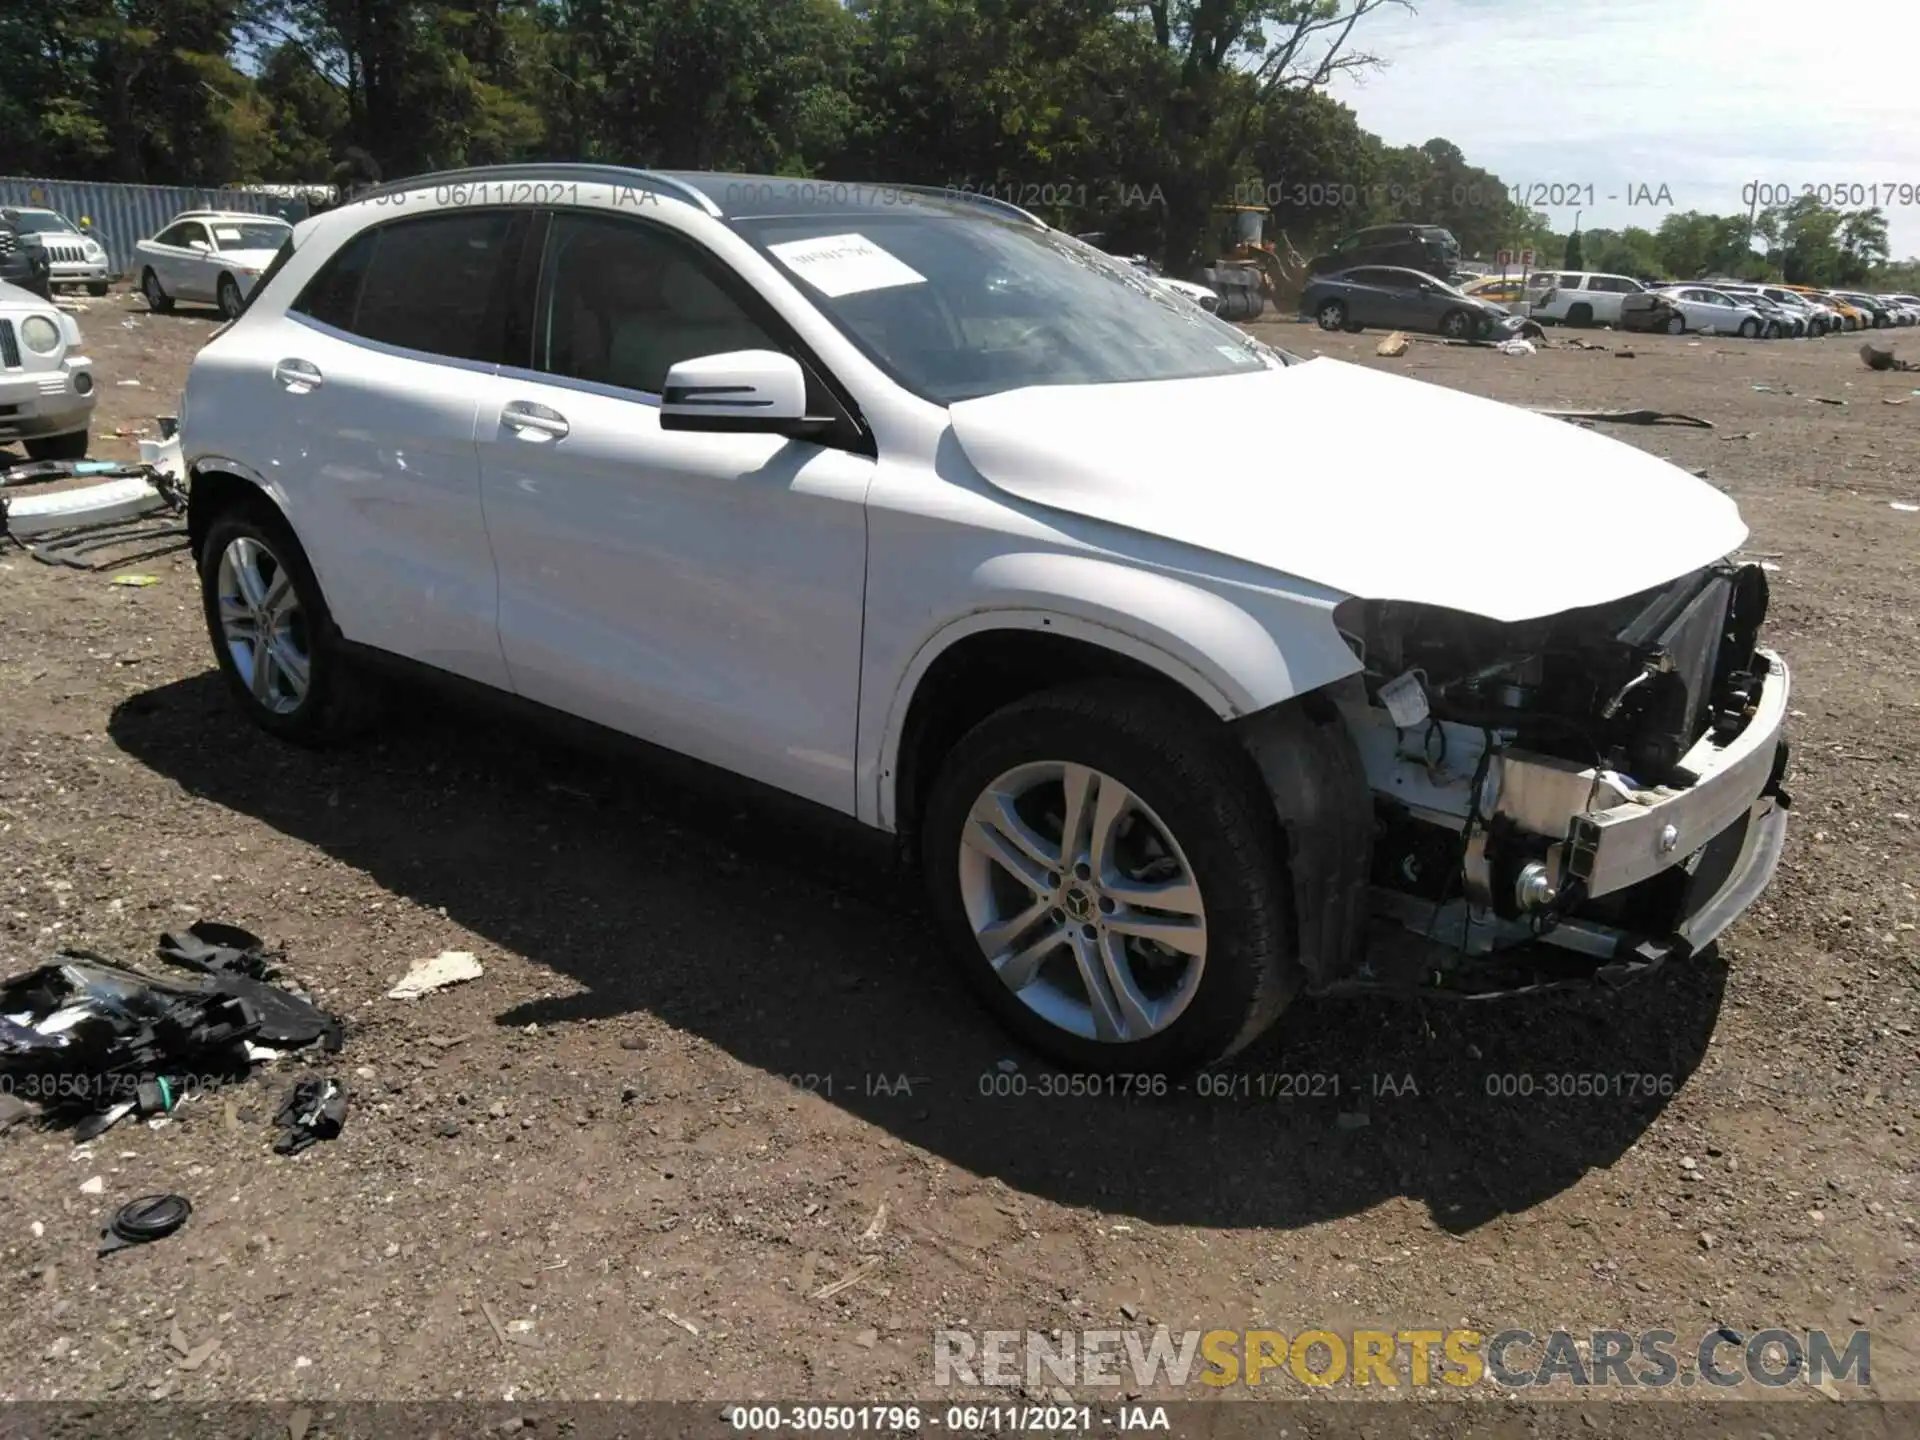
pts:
pixel 1057 618
pixel 217 484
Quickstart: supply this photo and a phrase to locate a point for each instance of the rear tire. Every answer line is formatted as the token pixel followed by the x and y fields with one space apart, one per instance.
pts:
pixel 158 301
pixel 292 678
pixel 1194 825
pixel 57 447
pixel 1749 329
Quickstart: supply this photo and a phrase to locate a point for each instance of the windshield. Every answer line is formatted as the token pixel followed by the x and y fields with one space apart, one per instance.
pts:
pixel 42 222
pixel 959 306
pixel 248 234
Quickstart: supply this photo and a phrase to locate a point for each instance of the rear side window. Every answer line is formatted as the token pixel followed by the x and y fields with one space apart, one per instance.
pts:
pixel 333 295
pixel 440 284
pixel 274 267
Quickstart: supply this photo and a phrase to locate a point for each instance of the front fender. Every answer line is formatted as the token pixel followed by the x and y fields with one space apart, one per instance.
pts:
pixel 1238 648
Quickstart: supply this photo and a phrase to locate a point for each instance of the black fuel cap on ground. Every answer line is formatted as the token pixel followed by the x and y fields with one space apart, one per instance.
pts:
pixel 149 1218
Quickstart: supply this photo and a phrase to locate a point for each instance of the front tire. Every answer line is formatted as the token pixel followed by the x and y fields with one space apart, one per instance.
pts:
pixel 97 288
pixel 1456 325
pixel 158 301
pixel 1332 315
pixel 57 447
pixel 1676 325
pixel 1107 871
pixel 227 294
pixel 272 633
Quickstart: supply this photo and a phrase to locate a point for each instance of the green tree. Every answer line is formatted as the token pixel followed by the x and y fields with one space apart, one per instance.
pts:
pixel 1575 257
pixel 1218 63
pixel 1803 240
pixel 1863 243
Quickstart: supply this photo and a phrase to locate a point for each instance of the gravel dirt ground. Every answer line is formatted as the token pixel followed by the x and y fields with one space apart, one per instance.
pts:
pixel 715 1065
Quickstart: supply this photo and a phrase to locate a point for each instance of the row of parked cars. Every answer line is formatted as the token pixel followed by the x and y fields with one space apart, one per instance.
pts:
pixel 1753 309
pixel 47 387
pixel 211 257
pixel 1406 298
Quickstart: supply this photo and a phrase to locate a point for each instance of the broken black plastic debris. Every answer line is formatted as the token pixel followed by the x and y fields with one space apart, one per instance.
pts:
pixel 98 1036
pixel 137 1222
pixel 216 949
pixel 314 1110
pixel 101 1121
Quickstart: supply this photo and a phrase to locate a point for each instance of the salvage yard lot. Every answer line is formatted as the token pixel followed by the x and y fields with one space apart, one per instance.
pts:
pixel 714 1065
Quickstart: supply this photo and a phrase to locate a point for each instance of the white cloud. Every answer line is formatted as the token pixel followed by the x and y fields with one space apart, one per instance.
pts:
pixel 1701 96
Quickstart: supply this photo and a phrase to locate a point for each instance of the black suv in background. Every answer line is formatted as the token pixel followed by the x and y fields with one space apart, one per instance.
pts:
pixel 1430 249
pixel 23 259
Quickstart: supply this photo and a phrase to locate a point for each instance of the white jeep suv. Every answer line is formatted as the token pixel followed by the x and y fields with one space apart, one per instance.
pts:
pixel 46 385
pixel 73 256
pixel 1189 680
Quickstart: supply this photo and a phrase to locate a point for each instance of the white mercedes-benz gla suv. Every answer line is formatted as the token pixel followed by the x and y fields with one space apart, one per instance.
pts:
pixel 1194 676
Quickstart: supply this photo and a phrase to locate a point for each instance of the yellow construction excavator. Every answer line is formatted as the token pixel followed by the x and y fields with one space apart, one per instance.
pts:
pixel 1250 273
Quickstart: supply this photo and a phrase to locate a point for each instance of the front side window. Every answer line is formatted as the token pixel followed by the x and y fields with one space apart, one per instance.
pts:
pixel 956 305
pixel 622 303
pixel 184 234
pixel 440 284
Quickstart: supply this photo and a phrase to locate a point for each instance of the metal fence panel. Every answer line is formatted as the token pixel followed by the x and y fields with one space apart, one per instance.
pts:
pixel 124 215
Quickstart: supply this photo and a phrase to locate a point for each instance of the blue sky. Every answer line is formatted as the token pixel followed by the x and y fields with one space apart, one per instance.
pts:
pixel 1701 96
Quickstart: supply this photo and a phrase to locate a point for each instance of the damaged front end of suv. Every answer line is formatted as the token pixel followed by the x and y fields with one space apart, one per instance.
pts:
pixel 1568 799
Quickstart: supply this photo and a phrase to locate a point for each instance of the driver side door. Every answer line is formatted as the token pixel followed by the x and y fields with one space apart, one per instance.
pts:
pixel 703 592
pixel 175 260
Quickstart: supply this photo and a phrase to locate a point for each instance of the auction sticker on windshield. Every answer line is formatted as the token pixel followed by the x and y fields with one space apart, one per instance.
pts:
pixel 837 265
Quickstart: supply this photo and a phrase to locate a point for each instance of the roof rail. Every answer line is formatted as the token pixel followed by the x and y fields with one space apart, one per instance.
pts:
pixel 610 174
pixel 974 197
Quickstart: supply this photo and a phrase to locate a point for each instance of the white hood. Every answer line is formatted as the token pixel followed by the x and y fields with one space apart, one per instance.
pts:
pixel 1363 482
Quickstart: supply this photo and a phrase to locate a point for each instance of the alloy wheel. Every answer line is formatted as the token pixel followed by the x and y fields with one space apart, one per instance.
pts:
pixel 1082 901
pixel 263 625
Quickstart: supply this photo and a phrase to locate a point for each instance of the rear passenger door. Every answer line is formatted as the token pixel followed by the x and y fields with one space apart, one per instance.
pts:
pixel 373 381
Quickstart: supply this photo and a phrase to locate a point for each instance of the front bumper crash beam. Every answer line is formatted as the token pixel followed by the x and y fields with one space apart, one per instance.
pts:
pixel 1728 829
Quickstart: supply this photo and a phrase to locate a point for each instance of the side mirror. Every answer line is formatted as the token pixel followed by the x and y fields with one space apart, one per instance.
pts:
pixel 743 392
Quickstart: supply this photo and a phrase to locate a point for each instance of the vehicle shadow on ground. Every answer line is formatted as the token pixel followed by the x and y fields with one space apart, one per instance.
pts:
pixel 740 917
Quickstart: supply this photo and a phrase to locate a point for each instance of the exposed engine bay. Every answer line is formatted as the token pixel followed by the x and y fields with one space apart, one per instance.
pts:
pixel 1605 780
pixel 1629 685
